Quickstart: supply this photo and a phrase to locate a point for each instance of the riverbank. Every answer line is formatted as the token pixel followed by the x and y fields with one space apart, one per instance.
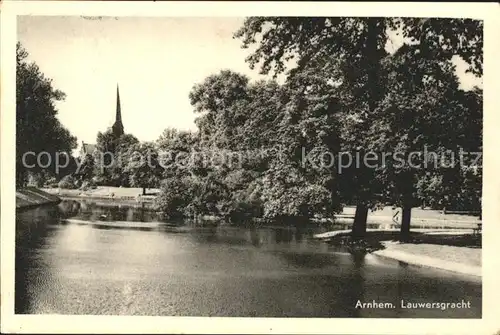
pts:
pixel 464 260
pixel 457 250
pixel 125 194
pixel 387 217
pixel 31 197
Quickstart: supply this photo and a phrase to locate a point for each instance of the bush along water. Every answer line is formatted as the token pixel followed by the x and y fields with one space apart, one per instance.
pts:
pixel 357 246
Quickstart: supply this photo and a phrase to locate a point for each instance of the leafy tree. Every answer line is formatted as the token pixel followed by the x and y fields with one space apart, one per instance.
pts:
pixel 349 52
pixel 175 197
pixel 231 108
pixel 87 168
pixel 143 166
pixel 286 117
pixel 210 196
pixel 459 191
pixel 111 157
pixel 105 157
pixel 442 39
pixel 175 148
pixel 246 203
pixel 423 108
pixel 68 182
pixel 287 194
pixel 37 127
pixel 215 100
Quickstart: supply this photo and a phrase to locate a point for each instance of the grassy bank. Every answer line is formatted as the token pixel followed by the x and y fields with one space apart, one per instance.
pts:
pixel 421 218
pixel 464 255
pixel 464 260
pixel 105 192
pixel 457 251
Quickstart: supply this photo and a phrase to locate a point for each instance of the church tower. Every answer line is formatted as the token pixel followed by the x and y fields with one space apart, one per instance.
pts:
pixel 118 125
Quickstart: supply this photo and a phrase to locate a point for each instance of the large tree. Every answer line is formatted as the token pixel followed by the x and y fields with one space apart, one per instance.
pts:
pixel 175 149
pixel 142 166
pixel 38 129
pixel 260 124
pixel 349 53
pixel 425 118
pixel 111 158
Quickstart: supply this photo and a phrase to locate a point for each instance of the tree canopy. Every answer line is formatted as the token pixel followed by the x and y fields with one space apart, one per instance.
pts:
pixel 38 129
pixel 350 57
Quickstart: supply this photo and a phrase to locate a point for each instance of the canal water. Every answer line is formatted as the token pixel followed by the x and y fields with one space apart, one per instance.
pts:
pixel 70 268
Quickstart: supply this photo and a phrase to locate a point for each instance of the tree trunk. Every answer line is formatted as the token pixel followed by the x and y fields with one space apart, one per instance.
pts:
pixel 405 224
pixel 359 225
pixel 372 60
pixel 143 191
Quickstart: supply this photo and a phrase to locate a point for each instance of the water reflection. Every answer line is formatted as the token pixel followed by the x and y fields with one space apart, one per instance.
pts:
pixel 209 270
pixel 283 235
pixel 254 237
pixel 356 282
pixel 33 227
pixel 108 211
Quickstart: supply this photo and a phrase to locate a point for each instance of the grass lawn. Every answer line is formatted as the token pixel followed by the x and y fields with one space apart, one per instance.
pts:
pixel 449 250
pixel 420 217
pixel 462 255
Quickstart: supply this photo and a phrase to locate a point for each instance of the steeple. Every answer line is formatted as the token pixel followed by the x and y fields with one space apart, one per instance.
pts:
pixel 118 125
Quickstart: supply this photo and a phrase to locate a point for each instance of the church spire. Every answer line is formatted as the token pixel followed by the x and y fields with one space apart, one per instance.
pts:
pixel 118 125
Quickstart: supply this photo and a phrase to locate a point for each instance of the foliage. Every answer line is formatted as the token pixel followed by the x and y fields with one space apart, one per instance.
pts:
pixel 343 55
pixel 88 185
pixel 111 158
pixel 87 168
pixel 343 92
pixel 143 166
pixel 349 57
pixel 51 183
pixel 174 197
pixel 175 149
pixel 428 121
pixel 68 182
pixel 458 191
pixel 37 127
pixel 191 197
pixel 286 193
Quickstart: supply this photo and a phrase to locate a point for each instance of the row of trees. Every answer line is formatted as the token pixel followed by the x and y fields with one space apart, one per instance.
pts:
pixel 118 161
pixel 346 93
pixel 343 92
pixel 384 102
pixel 38 130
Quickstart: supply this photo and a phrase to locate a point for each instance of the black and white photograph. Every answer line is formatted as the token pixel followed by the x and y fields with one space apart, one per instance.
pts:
pixel 248 166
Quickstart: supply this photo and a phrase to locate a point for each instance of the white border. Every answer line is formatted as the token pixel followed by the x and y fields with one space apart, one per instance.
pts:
pixel 112 324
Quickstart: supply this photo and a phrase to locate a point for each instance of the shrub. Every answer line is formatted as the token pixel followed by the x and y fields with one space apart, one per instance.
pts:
pixel 88 185
pixel 100 180
pixel 174 198
pixel 68 182
pixel 36 180
pixel 51 183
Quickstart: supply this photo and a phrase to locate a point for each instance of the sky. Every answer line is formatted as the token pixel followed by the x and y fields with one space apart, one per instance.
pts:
pixel 155 62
